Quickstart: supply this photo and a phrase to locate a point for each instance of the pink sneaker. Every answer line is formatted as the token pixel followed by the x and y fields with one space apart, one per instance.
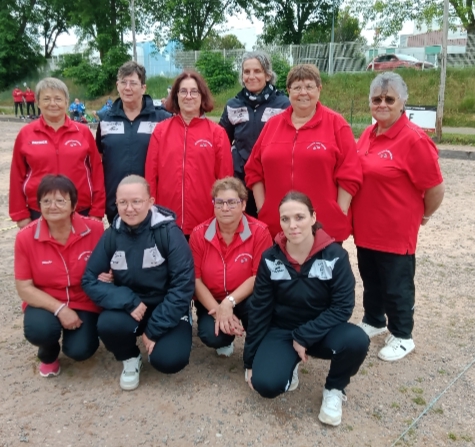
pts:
pixel 50 369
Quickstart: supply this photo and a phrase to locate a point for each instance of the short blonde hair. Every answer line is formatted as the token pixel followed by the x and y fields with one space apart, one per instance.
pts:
pixel 135 180
pixel 229 183
pixel 53 84
pixel 304 72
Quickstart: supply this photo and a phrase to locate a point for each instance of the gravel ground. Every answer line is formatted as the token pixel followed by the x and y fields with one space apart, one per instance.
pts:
pixel 210 404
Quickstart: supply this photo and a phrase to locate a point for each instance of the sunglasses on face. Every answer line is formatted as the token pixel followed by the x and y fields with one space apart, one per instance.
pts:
pixel 389 100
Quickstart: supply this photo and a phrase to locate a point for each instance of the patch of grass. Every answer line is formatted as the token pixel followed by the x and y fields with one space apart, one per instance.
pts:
pixel 304 371
pixel 438 410
pixel 419 400
pixel 452 436
pixel 442 371
pixel 403 389
pixel 466 438
pixel 395 405
pixel 417 390
pixel 363 372
pixel 420 379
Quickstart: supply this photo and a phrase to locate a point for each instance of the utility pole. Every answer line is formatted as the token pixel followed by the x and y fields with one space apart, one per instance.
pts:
pixel 132 20
pixel 443 73
pixel 332 41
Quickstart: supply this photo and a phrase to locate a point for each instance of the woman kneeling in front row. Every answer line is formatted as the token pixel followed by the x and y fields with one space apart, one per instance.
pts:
pixel 304 294
pixel 150 290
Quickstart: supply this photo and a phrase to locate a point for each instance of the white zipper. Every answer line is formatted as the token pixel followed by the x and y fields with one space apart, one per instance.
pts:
pixel 183 180
pixel 292 169
pixel 67 274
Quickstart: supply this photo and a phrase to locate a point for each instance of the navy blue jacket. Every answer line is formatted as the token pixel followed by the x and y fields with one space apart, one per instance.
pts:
pixel 163 280
pixel 244 123
pixel 309 303
pixel 124 144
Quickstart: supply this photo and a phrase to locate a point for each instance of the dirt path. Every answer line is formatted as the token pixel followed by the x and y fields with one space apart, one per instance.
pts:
pixel 209 403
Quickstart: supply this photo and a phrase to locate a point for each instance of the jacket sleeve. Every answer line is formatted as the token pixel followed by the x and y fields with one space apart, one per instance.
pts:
pixel 342 290
pixel 261 307
pixel 181 286
pixel 348 172
pixel 253 167
pixel 224 160
pixel 106 295
pixel 226 124
pixel 262 242
pixel 197 250
pixel 97 173
pixel 17 200
pixel 99 139
pixel 151 163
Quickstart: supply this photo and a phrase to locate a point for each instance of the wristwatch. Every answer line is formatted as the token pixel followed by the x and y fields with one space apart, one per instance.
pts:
pixel 231 298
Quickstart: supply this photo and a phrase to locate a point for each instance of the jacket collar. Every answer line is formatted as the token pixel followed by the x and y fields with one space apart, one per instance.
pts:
pixel 117 108
pixel 78 227
pixel 313 122
pixel 394 130
pixel 244 234
pixel 68 126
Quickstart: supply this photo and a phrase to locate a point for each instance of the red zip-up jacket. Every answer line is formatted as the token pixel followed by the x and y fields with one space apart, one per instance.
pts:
pixel 54 268
pixel 17 95
pixel 315 160
pixel 183 162
pixel 29 96
pixel 70 151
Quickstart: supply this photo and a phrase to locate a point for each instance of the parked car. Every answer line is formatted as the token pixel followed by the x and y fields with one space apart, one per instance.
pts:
pixel 386 62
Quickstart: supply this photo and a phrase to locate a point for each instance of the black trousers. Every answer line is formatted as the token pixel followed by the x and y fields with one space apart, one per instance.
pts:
pixel 206 325
pixel 28 105
pixel 388 290
pixel 18 104
pixel 346 346
pixel 119 331
pixel 44 330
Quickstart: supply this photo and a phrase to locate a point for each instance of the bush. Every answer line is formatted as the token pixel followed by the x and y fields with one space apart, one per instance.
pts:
pixel 281 68
pixel 218 72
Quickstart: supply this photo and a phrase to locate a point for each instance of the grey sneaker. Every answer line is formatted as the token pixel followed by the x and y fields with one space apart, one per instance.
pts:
pixel 130 377
pixel 372 331
pixel 396 348
pixel 330 411
pixel 295 379
pixel 225 351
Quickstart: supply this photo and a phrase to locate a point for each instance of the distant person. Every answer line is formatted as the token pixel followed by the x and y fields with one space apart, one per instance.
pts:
pixel 30 101
pixel 402 188
pixel 50 258
pixel 151 287
pixel 164 100
pixel 188 153
pixel 308 147
pixel 54 144
pixel 245 115
pixel 77 109
pixel 124 132
pixel 18 100
pixel 98 114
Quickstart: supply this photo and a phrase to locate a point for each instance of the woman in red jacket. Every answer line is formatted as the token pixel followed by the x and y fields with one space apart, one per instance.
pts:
pixel 226 249
pixel 30 100
pixel 18 100
pixel 309 148
pixel 50 258
pixel 187 153
pixel 54 144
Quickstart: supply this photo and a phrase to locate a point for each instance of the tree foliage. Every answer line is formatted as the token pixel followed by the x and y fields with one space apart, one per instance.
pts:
pixel 281 68
pixel 218 71
pixel 227 42
pixel 287 21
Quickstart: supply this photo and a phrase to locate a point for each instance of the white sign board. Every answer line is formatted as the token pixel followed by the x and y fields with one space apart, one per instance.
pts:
pixel 423 116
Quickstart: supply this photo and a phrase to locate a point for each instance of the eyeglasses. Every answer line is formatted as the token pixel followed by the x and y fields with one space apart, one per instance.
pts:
pixel 307 88
pixel 193 93
pixel 136 204
pixel 60 203
pixel 231 203
pixel 389 100
pixel 132 84
pixel 56 100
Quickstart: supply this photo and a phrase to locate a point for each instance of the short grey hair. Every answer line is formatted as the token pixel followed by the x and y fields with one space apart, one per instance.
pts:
pixel 134 179
pixel 53 84
pixel 131 67
pixel 265 61
pixel 389 79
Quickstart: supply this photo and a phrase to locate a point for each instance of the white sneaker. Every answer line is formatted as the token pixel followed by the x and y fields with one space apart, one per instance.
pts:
pixel 372 331
pixel 130 377
pixel 396 348
pixel 330 411
pixel 295 379
pixel 225 351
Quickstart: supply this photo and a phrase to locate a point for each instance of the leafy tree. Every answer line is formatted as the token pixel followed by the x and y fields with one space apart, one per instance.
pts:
pixel 189 21
pixel 218 71
pixel 227 42
pixel 287 21
pixel 53 20
pixel 281 68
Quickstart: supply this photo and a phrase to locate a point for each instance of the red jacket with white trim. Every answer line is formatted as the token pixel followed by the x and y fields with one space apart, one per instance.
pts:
pixel 29 95
pixel 17 95
pixel 70 151
pixel 224 273
pixel 183 162
pixel 54 268
pixel 315 160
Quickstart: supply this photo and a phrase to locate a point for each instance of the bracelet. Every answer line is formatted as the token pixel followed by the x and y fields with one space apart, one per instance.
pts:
pixel 426 217
pixel 233 301
pixel 59 309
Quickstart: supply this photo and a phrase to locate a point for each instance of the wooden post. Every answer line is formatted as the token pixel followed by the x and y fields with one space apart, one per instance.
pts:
pixel 132 20
pixel 443 72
